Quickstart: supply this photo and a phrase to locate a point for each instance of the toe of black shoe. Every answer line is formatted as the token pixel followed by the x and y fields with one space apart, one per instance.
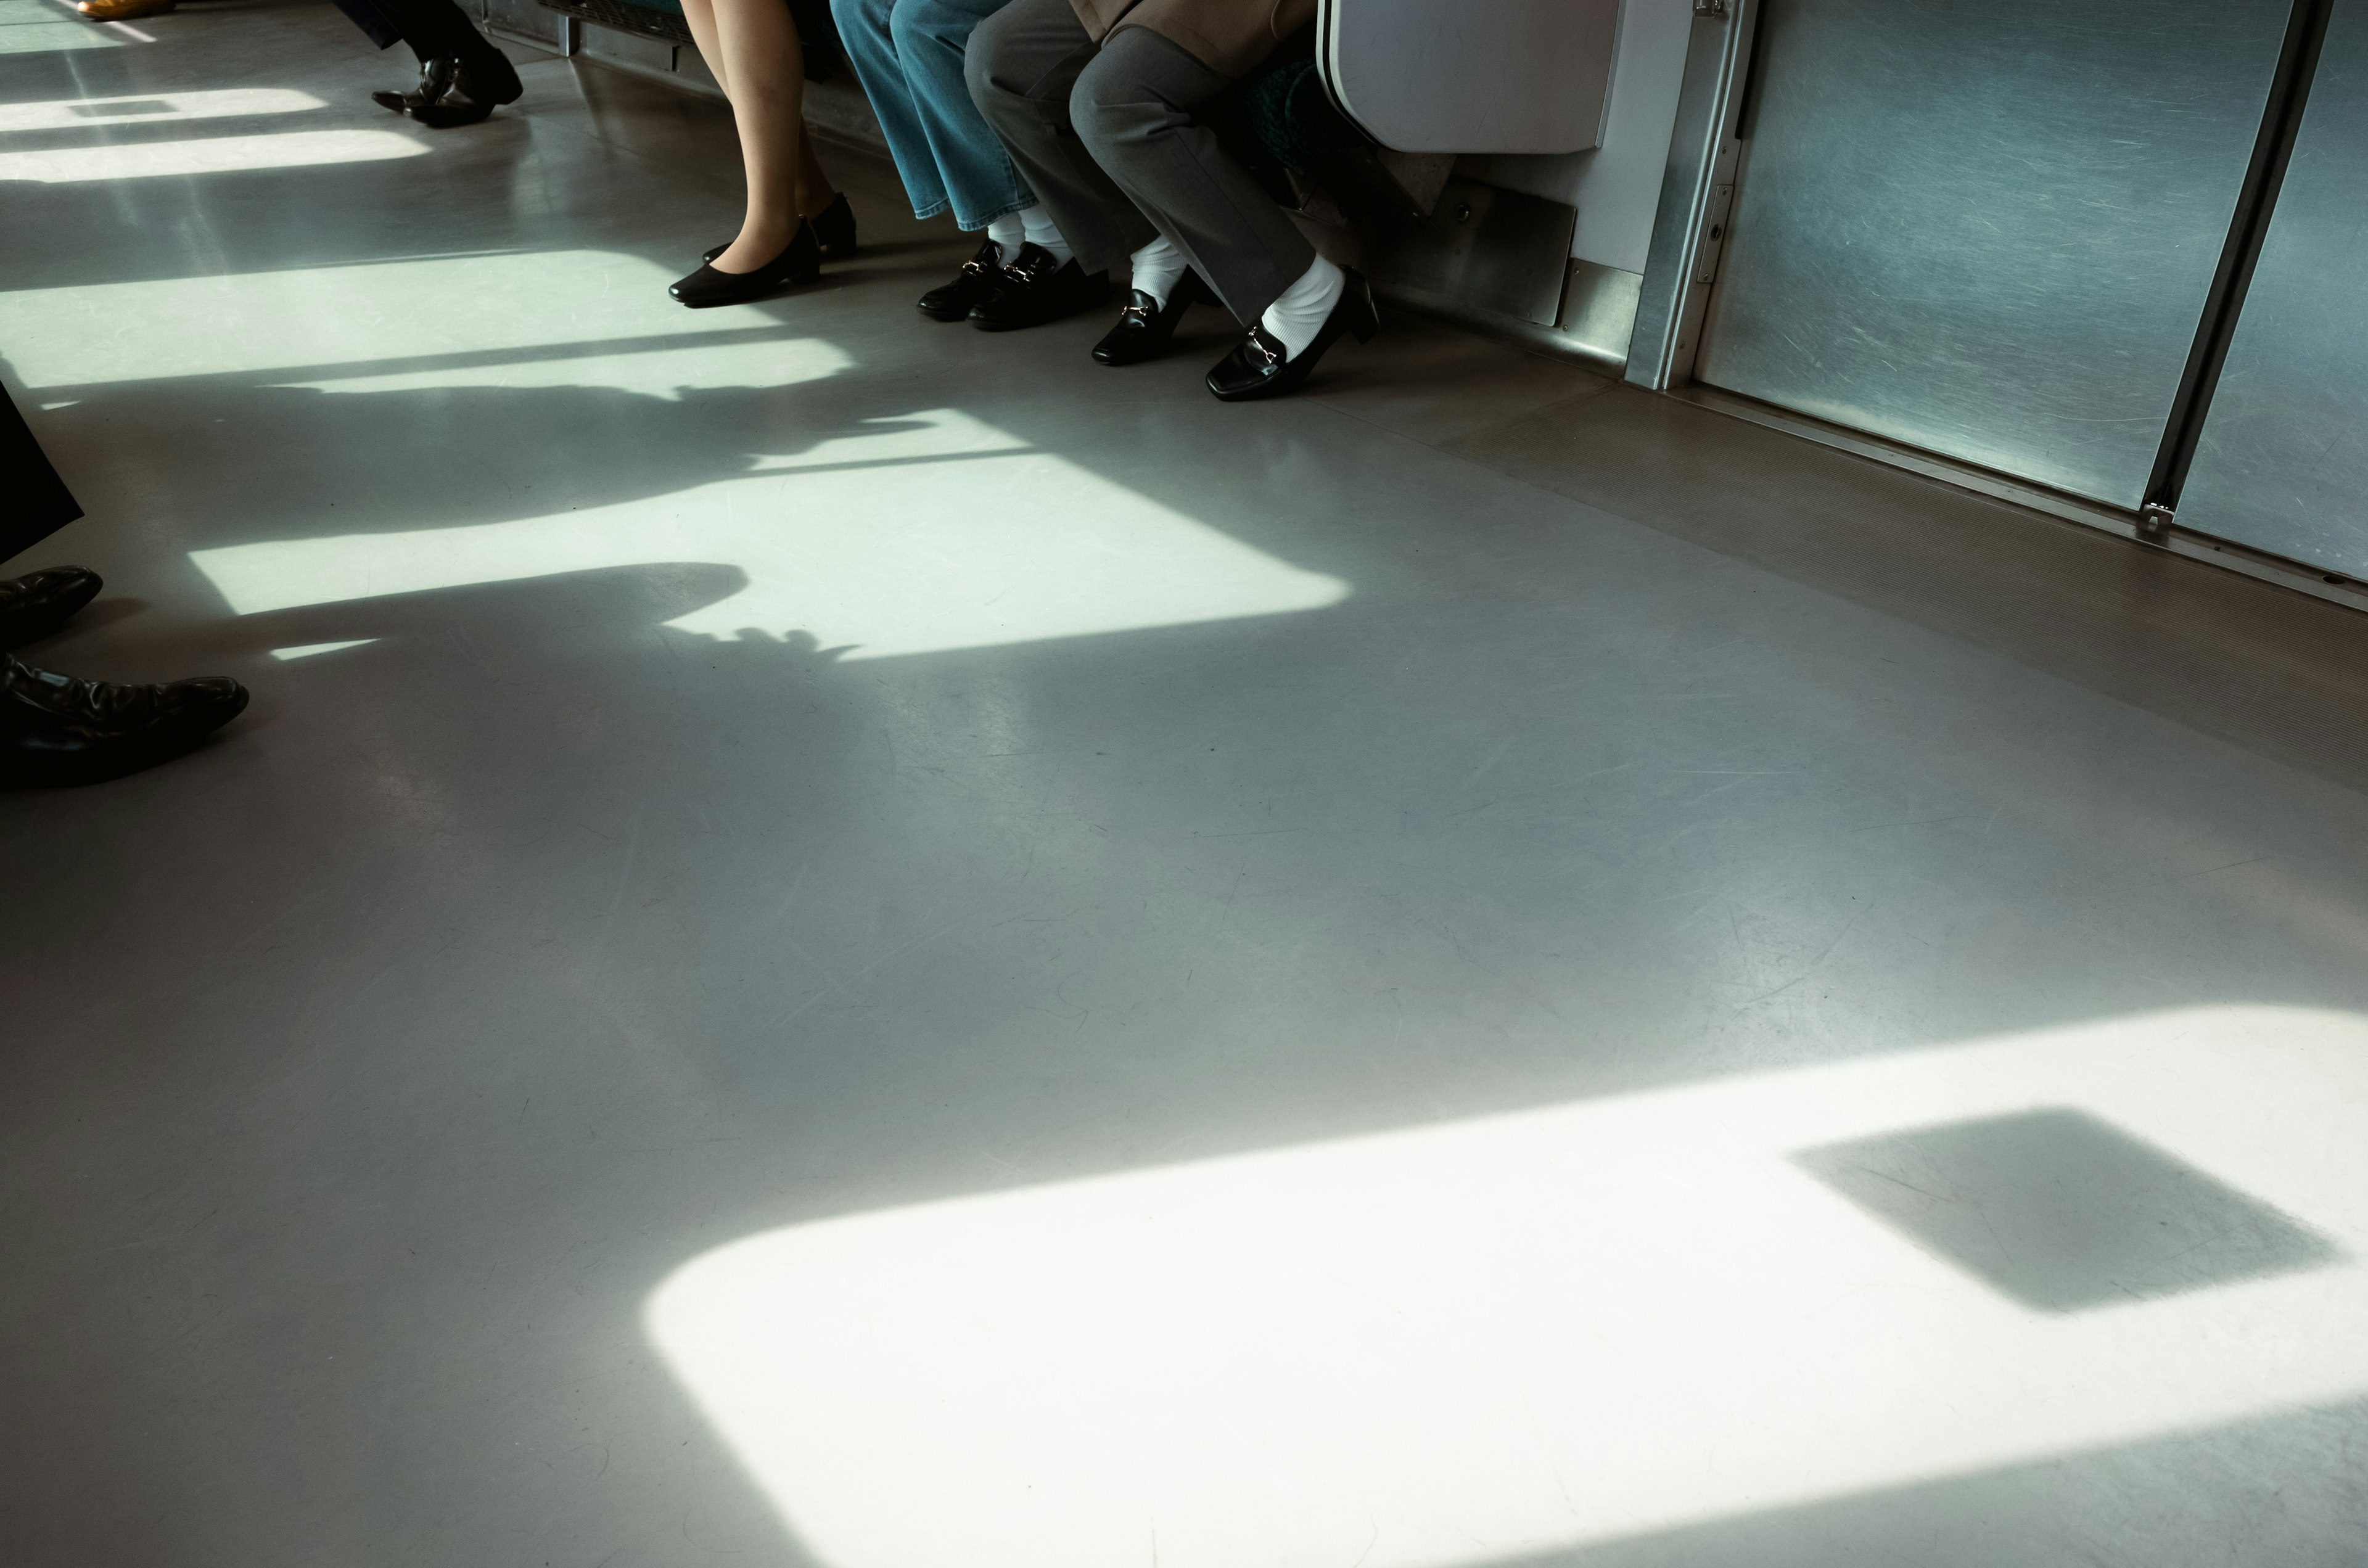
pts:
pixel 203 705
pixel 40 603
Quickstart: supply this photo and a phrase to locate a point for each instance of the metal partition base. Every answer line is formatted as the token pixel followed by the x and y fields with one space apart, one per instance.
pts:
pixel 2185 542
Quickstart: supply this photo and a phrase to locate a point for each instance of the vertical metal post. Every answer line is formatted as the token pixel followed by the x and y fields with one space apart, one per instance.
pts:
pixel 2256 200
pixel 1697 194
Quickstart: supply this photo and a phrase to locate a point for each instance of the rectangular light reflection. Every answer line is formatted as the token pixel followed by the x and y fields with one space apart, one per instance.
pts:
pixel 206 155
pixel 91 335
pixel 147 109
pixel 1520 1334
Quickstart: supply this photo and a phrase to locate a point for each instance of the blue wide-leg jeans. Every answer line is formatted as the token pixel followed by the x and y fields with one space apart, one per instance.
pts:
pixel 908 54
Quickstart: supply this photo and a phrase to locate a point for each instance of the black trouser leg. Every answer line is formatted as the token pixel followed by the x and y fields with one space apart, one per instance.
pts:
pixel 1133 110
pixel 436 29
pixel 382 27
pixel 34 502
pixel 1021 64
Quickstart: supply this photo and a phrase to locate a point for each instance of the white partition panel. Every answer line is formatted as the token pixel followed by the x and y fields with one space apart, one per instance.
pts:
pixel 1455 76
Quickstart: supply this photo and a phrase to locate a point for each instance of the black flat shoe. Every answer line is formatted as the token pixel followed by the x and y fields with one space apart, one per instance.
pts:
pixel 1259 367
pixel 834 230
pixel 435 81
pixel 1145 327
pixel 36 604
pixel 55 730
pixel 1033 289
pixel 800 262
pixel 976 279
pixel 479 87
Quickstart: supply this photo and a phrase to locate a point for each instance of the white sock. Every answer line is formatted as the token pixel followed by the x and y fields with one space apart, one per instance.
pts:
pixel 1296 317
pixel 1006 232
pixel 1038 225
pixel 1157 266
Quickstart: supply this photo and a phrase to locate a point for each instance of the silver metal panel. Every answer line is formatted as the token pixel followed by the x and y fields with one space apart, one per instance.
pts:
pixel 1598 310
pixel 525 21
pixel 2283 464
pixel 1989 230
pixel 1498 250
pixel 1682 259
pixel 628 51
pixel 2223 553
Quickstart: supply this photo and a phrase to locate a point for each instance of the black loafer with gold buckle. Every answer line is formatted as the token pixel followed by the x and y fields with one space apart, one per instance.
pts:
pixel 1146 328
pixel 1260 367
pixel 978 278
pixel 1033 289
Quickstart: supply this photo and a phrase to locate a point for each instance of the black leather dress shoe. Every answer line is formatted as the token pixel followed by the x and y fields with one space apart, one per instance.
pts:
pixel 56 729
pixel 36 604
pixel 800 262
pixel 834 229
pixel 1145 327
pixel 435 81
pixel 479 86
pixel 1259 367
pixel 1033 289
pixel 976 279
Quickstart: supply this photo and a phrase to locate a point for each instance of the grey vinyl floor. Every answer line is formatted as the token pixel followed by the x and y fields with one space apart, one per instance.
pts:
pixel 843 943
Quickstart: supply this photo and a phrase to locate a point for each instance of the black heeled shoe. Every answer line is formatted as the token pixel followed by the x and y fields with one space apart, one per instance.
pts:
pixel 834 229
pixel 39 603
pixel 435 81
pixel 800 262
pixel 1260 366
pixel 479 87
pixel 1145 327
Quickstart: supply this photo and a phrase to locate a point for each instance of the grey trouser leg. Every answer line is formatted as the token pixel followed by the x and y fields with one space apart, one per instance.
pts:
pixel 1021 64
pixel 1132 108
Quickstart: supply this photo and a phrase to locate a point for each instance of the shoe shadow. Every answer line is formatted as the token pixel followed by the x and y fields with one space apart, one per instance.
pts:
pixel 99 615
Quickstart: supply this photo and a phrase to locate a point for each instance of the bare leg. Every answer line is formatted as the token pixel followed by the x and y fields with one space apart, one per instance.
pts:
pixel 764 63
pixel 701 15
pixel 815 190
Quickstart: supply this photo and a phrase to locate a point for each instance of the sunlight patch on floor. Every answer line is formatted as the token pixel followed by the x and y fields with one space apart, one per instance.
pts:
pixel 1523 1334
pixel 355 319
pixel 148 108
pixel 206 155
pixel 309 650
pixel 667 370
pixel 936 531
pixel 34 26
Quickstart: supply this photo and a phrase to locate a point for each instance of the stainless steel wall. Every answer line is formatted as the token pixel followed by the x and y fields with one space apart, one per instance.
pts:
pixel 522 19
pixel 2282 462
pixel 1988 230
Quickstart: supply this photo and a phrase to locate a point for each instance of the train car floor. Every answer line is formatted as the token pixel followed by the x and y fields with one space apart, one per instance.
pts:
pixel 840 942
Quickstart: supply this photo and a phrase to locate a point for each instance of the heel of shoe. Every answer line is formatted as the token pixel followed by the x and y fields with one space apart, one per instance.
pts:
pixel 802 260
pixel 834 229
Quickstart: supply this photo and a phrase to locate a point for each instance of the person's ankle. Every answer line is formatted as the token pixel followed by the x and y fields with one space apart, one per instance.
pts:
pixel 755 244
pixel 775 229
